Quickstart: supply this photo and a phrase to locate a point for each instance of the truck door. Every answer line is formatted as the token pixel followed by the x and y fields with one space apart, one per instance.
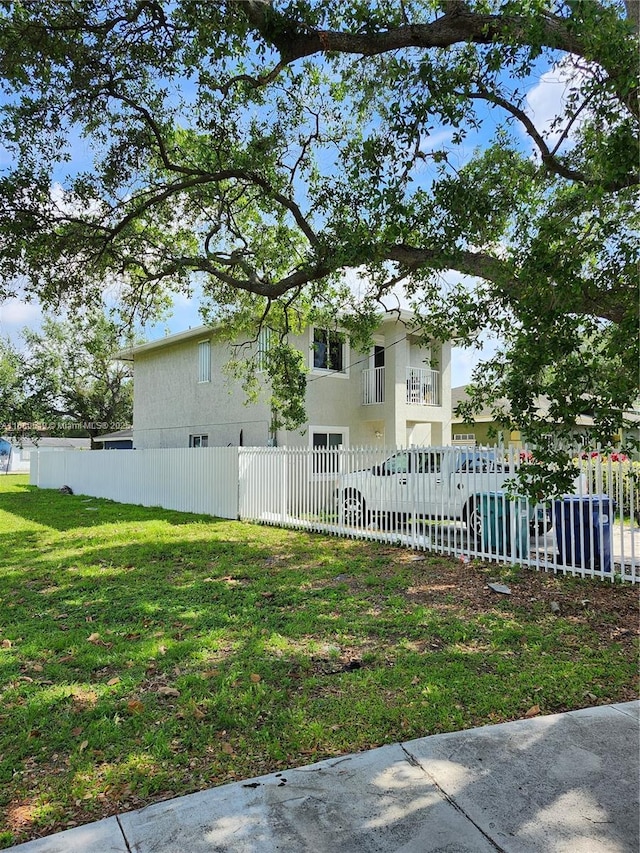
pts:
pixel 393 483
pixel 427 493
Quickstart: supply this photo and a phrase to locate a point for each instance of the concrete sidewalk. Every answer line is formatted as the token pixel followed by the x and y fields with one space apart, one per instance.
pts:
pixel 567 782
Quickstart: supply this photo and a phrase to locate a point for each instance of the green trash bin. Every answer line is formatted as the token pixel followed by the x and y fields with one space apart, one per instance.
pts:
pixel 505 524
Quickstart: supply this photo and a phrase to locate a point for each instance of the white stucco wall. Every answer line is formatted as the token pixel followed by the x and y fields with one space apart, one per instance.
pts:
pixel 170 404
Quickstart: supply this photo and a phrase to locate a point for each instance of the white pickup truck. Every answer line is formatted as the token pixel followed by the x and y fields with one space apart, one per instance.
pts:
pixel 426 482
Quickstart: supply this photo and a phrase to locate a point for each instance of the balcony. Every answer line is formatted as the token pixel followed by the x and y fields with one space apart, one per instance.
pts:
pixel 373 386
pixel 423 387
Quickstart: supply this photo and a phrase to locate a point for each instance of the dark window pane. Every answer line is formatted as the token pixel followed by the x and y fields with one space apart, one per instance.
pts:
pixel 320 349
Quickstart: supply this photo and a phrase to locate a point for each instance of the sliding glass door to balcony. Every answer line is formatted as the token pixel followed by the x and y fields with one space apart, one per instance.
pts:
pixel 423 387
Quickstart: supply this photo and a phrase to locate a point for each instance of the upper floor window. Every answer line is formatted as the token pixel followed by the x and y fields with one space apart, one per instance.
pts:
pixel 264 345
pixel 328 350
pixel 204 361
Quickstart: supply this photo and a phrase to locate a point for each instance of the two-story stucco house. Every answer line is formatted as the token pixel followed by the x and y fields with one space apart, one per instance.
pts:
pixel 398 394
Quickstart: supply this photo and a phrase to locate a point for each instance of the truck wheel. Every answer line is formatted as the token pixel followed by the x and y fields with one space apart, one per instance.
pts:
pixel 473 519
pixel 353 510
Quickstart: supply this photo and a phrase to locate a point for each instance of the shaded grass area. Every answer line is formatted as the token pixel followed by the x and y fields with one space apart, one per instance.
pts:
pixel 145 653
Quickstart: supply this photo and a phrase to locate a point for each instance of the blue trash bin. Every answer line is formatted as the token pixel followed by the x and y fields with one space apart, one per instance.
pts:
pixel 583 531
pixel 505 524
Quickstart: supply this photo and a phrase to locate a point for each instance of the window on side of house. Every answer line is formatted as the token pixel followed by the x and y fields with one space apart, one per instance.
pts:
pixel 204 361
pixel 199 441
pixel 326 463
pixel 264 345
pixel 328 350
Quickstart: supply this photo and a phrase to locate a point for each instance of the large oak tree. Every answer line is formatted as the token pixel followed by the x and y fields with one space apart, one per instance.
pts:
pixel 263 149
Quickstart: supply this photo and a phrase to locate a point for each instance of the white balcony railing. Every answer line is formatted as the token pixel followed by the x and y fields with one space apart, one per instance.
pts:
pixel 423 387
pixel 373 386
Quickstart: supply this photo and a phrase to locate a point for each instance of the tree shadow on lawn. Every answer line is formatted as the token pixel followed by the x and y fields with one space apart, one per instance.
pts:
pixel 153 669
pixel 152 656
pixel 50 508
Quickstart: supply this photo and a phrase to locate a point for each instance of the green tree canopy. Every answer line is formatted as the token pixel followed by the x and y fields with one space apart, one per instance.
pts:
pixel 263 149
pixel 67 377
pixel 11 392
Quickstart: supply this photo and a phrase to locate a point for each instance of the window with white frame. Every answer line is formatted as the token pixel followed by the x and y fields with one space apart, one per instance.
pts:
pixel 329 350
pixel 323 442
pixel 199 440
pixel 204 361
pixel 265 336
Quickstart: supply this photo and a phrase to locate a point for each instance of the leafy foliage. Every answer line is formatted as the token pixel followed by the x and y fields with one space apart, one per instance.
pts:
pixel 263 149
pixel 67 377
pixel 11 398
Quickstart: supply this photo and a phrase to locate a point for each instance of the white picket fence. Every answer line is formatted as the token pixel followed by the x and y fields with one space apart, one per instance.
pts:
pixel 449 500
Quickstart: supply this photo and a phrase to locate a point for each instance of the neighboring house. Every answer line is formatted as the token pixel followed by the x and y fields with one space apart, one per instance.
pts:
pixel 120 440
pixel 15 455
pixel 485 430
pixel 397 394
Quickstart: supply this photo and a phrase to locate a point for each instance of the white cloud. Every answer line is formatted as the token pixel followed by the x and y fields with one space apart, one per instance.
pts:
pixel 13 312
pixel 547 100
pixel 15 315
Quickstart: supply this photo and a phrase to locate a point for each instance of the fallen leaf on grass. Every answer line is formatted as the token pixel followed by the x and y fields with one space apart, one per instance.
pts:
pixel 135 706
pixel 95 639
pixel 211 673
pixel 114 680
pixel 533 711
pixel 255 677
pixel 77 731
pixel 6 644
pixel 83 745
pixel 168 691
pixel 227 749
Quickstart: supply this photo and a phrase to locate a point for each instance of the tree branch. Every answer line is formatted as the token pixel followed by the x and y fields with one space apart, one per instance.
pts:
pixel 550 161
pixel 295 40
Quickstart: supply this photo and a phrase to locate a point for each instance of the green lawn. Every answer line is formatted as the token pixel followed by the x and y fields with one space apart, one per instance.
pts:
pixel 145 654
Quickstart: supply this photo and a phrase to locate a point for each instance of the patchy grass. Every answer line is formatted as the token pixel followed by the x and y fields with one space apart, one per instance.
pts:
pixel 145 654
